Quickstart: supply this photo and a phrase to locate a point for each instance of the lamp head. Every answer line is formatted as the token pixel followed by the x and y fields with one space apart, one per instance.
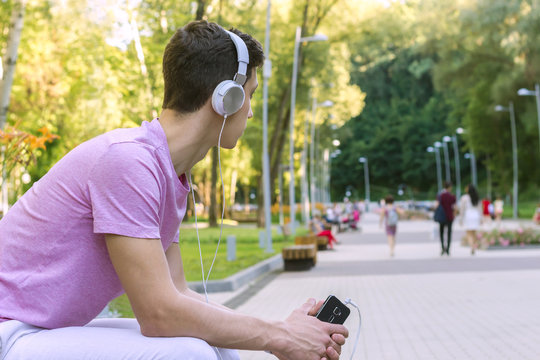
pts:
pixel 316 37
pixel 362 159
pixel 326 103
pixel 447 139
pixel 526 92
pixel 437 144
pixel 430 149
pixel 336 142
pixel 500 108
pixel 460 130
pixel 319 37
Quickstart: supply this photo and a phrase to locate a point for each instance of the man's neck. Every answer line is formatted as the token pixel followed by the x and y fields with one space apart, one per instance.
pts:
pixel 189 137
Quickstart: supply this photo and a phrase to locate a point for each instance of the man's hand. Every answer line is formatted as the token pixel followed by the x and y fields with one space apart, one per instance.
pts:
pixel 310 338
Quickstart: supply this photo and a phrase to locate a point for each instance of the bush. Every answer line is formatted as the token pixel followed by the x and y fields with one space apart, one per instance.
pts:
pixel 502 237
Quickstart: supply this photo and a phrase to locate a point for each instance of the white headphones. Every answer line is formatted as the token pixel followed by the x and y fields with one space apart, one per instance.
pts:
pixel 228 96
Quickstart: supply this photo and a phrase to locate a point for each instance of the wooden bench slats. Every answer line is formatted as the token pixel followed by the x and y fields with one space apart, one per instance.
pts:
pixel 299 257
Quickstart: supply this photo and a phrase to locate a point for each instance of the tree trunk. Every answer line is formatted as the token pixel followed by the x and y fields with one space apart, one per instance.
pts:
pixel 201 8
pixel 10 59
pixel 212 211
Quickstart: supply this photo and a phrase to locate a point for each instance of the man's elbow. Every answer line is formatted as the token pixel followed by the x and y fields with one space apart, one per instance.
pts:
pixel 157 322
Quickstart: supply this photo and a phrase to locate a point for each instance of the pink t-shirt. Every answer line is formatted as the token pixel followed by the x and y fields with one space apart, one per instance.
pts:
pixel 55 270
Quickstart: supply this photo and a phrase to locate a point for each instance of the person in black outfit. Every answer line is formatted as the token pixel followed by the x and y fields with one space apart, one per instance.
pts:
pixel 447 200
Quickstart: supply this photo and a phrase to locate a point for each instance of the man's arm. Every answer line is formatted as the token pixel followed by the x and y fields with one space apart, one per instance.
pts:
pixel 176 270
pixel 162 310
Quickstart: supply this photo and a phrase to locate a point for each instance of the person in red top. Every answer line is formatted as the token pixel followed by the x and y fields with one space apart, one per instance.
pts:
pixel 447 201
pixel 486 202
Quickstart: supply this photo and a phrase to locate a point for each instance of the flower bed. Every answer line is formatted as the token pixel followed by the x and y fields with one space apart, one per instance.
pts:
pixel 507 238
pixel 415 215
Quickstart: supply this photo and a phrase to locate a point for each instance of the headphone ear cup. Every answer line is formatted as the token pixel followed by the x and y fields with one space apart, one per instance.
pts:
pixel 228 97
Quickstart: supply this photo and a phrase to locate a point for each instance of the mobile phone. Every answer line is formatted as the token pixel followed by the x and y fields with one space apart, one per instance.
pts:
pixel 333 311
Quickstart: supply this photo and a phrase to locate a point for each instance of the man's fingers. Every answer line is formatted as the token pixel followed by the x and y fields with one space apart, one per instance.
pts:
pixel 307 306
pixel 315 308
pixel 331 353
pixel 337 329
pixel 339 339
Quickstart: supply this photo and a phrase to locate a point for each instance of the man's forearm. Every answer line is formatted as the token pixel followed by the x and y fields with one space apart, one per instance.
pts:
pixel 201 297
pixel 189 315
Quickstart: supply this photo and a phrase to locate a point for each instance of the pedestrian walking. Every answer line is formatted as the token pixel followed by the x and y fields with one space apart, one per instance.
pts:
pixel 486 213
pixel 469 215
pixel 390 218
pixel 445 204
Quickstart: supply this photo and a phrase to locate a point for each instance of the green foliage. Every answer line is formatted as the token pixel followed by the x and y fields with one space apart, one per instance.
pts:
pixel 424 68
pixel 403 112
pixel 429 67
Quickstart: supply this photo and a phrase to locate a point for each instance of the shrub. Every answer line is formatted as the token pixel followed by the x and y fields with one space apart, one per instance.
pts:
pixel 505 237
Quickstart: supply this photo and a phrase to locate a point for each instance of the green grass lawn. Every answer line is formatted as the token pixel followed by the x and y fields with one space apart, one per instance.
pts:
pixel 526 210
pixel 248 253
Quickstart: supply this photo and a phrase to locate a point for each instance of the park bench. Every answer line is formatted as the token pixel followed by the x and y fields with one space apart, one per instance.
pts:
pixel 299 257
pixel 320 241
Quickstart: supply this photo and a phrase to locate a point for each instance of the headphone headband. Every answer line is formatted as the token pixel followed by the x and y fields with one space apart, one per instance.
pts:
pixel 243 58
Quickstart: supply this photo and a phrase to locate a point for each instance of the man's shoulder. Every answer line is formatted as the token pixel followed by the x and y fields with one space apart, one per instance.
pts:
pixel 447 196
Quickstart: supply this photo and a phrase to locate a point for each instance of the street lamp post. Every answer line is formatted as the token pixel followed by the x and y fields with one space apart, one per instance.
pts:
pixel 437 145
pixel 510 109
pixel 456 160
pixel 314 107
pixel 446 139
pixel 267 70
pixel 536 92
pixel 325 179
pixel 473 169
pixel 364 160
pixel 298 39
pixel 327 176
pixel 470 156
pixel 435 150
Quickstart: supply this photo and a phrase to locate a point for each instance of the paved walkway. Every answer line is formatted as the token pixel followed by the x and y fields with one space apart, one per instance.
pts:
pixel 417 305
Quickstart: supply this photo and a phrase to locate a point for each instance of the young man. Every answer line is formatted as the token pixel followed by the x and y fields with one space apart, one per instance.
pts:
pixel 105 220
pixel 447 200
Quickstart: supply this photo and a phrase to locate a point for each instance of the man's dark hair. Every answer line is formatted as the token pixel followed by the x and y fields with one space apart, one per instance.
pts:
pixel 389 199
pixel 198 57
pixel 447 184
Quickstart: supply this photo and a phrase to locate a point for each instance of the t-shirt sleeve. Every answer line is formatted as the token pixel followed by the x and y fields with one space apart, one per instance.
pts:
pixel 125 191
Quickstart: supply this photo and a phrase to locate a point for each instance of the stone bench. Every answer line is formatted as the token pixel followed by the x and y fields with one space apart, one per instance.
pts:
pixel 299 257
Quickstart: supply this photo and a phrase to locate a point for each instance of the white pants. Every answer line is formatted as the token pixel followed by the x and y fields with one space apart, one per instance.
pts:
pixel 101 339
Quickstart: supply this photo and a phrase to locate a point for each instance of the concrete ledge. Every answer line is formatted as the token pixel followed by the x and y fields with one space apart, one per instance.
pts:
pixel 513 247
pixel 241 278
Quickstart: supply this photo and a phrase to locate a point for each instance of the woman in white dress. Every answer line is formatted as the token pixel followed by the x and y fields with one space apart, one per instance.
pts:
pixel 470 215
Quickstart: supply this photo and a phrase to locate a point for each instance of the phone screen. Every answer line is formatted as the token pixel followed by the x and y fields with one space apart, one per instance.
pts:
pixel 333 311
